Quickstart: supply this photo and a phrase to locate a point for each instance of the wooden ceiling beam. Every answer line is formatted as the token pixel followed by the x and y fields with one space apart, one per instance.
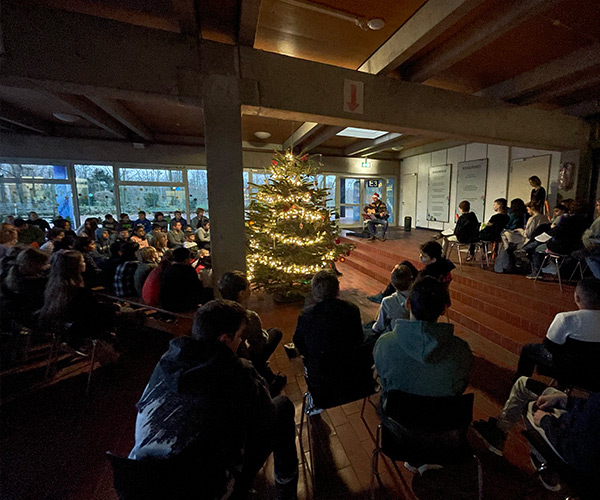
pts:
pixel 583 109
pixel 188 17
pixel 429 22
pixel 302 133
pixel 546 74
pixel 483 31
pixel 121 113
pixel 568 87
pixel 321 137
pixel 16 116
pixel 248 23
pixel 84 108
pixel 372 146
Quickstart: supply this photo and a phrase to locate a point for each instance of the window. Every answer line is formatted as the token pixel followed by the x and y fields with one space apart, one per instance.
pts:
pixel 390 197
pixel 48 200
pixel 95 191
pixel 198 187
pixel 150 175
pixel 29 171
pixel 166 199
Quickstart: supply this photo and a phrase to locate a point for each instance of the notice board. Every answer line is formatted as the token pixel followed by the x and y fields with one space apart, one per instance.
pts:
pixel 438 193
pixel 471 181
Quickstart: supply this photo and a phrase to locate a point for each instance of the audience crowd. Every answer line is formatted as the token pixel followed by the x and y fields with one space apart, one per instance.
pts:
pixel 213 404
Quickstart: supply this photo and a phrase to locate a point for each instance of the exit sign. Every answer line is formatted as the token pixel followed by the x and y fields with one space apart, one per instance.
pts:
pixel 365 164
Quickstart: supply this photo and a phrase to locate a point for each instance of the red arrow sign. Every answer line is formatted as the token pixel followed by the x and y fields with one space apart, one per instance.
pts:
pixel 353 104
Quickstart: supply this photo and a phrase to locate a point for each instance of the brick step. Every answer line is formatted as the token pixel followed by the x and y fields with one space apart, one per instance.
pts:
pixel 384 264
pixel 508 336
pixel 541 296
pixel 484 348
pixel 528 316
pixel 377 249
pixel 377 273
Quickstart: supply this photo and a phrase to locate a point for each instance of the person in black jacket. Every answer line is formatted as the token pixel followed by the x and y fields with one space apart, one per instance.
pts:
pixel 329 335
pixel 210 414
pixel 180 288
pixel 466 229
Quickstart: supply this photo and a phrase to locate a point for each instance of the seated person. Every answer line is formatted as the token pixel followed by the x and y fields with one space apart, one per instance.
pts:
pixel 125 223
pixel 55 234
pixel 517 214
pixel 389 289
pixel 203 235
pixel 190 242
pixel 581 325
pixel 257 344
pixel 142 221
pixel 34 220
pixel 139 237
pixel 329 335
pixel 569 425
pixel 151 288
pixel 210 408
pixel 559 213
pixel 109 223
pixel 148 262
pixel 436 266
pixel 92 274
pixel 159 220
pixel 124 279
pixel 29 234
pixel 376 213
pixel 466 229
pixel 567 237
pixel 103 243
pixel 394 306
pixel 176 237
pixel 178 218
pixel 494 227
pixel 180 288
pixel 199 221
pixel 421 356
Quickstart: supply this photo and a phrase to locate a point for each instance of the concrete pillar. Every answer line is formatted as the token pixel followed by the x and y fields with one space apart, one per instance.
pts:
pixel 223 136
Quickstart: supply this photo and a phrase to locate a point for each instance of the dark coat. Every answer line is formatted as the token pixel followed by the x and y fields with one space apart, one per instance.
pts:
pixel 467 228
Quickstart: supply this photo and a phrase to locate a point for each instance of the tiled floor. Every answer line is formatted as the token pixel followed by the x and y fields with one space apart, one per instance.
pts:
pixel 53 442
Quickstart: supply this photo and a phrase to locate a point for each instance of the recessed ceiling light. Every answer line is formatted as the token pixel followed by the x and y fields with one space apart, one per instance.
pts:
pixel 361 133
pixel 262 135
pixel 375 23
pixel 66 117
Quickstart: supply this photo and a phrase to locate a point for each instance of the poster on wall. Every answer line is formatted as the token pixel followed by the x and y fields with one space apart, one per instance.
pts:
pixel 471 182
pixel 438 193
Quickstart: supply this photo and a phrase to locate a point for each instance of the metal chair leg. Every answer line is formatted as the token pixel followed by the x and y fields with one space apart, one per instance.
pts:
pixel 93 360
pixel 53 356
pixel 546 257
pixel 556 263
pixel 375 461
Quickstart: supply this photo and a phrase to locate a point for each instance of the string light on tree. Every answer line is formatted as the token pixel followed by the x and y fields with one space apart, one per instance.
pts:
pixel 291 232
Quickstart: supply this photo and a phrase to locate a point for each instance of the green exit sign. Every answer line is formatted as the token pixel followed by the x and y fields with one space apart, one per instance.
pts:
pixel 365 164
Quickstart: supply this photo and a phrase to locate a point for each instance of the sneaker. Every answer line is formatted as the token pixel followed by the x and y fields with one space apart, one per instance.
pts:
pixel 548 477
pixel 411 468
pixel 532 276
pixel 469 258
pixel 311 408
pixel 383 238
pixel 491 435
pixel 377 298
pixel 372 238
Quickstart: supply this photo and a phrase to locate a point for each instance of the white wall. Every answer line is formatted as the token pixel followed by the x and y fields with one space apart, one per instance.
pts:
pixel 499 159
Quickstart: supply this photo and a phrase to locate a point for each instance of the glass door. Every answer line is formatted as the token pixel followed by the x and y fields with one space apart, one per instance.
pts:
pixel 350 201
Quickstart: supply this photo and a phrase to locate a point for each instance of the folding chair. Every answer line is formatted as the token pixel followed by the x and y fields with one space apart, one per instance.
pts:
pixel 557 259
pixel 424 430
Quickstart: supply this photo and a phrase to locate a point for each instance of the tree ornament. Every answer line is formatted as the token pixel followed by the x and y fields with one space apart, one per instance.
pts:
pixel 337 241
pixel 348 253
pixel 342 259
pixel 301 226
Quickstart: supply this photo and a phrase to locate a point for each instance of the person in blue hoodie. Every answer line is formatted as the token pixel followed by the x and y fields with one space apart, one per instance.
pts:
pixel 421 356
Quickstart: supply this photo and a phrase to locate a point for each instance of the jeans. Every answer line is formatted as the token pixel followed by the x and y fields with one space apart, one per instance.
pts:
pixel 371 226
pixel 594 265
pixel 281 441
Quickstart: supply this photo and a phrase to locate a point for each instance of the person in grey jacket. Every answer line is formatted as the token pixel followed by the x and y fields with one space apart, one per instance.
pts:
pixel 176 236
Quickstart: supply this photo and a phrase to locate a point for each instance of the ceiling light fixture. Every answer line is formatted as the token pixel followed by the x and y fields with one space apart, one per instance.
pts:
pixel 363 23
pixel 66 117
pixel 361 133
pixel 262 135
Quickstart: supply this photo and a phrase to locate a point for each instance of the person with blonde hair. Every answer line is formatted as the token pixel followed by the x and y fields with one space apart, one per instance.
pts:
pixel 9 237
pixel 148 261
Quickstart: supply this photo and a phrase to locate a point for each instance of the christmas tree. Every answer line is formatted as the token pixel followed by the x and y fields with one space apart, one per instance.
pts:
pixel 290 231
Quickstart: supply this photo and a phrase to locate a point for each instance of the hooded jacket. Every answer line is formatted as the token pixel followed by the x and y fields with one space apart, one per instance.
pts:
pixel 423 358
pixel 201 403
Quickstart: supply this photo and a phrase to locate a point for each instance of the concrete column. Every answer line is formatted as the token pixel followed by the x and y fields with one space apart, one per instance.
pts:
pixel 223 136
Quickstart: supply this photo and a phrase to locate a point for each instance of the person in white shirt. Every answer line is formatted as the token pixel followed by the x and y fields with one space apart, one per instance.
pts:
pixel 581 325
pixel 203 236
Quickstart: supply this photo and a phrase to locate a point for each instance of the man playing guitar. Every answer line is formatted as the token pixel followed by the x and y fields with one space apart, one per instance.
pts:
pixel 375 213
